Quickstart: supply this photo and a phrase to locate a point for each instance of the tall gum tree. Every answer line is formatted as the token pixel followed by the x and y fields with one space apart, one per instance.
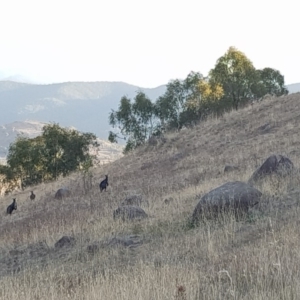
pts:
pixel 134 121
pixel 236 74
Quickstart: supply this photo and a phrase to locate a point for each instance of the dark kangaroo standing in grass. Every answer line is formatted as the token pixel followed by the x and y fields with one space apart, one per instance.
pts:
pixel 32 196
pixel 103 184
pixel 11 207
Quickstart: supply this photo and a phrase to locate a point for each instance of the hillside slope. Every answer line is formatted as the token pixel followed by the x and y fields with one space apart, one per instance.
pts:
pixel 163 257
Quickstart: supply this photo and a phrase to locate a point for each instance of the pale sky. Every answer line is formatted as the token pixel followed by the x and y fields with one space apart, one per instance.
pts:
pixel 143 42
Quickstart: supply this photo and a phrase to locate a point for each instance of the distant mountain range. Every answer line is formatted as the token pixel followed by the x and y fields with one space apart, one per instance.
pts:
pixel 84 105
pixel 19 78
pixel 293 88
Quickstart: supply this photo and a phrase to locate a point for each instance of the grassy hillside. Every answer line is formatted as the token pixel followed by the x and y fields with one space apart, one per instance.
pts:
pixel 162 257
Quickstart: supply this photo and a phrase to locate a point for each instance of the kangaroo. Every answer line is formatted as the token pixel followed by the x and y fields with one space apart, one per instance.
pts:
pixel 103 184
pixel 32 196
pixel 11 207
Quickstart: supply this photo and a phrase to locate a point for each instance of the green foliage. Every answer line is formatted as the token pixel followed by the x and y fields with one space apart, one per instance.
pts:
pixel 170 105
pixel 112 137
pixel 136 121
pixel 65 149
pixel 231 83
pixel 241 82
pixel 206 100
pixel 25 157
pixel 236 74
pixel 270 81
pixel 6 171
pixel 171 108
pixel 188 101
pixel 58 151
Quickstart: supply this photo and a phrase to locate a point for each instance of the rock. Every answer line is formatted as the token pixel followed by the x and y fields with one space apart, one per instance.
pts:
pixel 62 193
pixel 230 168
pixel 275 164
pixel 265 128
pixel 38 249
pixel 146 165
pixel 135 200
pixel 176 157
pixel 234 196
pixel 168 200
pixel 16 252
pixel 129 212
pixel 65 241
pixel 93 248
pixel 130 241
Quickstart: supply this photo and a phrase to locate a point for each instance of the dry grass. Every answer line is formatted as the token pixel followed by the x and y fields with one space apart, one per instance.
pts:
pixel 256 258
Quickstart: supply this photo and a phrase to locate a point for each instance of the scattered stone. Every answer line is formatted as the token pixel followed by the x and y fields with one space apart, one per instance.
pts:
pixel 130 241
pixel 146 165
pixel 62 193
pixel 168 200
pixel 265 128
pixel 275 164
pixel 135 200
pixel 65 241
pixel 92 249
pixel 234 196
pixel 230 168
pixel 177 156
pixel 129 212
pixel 16 252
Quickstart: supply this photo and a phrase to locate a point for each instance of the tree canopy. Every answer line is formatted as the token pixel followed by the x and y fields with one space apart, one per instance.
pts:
pixel 58 151
pixel 236 74
pixel 232 82
pixel 135 121
pixel 270 81
pixel 241 82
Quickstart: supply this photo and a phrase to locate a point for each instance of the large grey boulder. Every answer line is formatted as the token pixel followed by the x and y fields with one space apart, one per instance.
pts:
pixel 235 196
pixel 62 193
pixel 275 164
pixel 129 212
